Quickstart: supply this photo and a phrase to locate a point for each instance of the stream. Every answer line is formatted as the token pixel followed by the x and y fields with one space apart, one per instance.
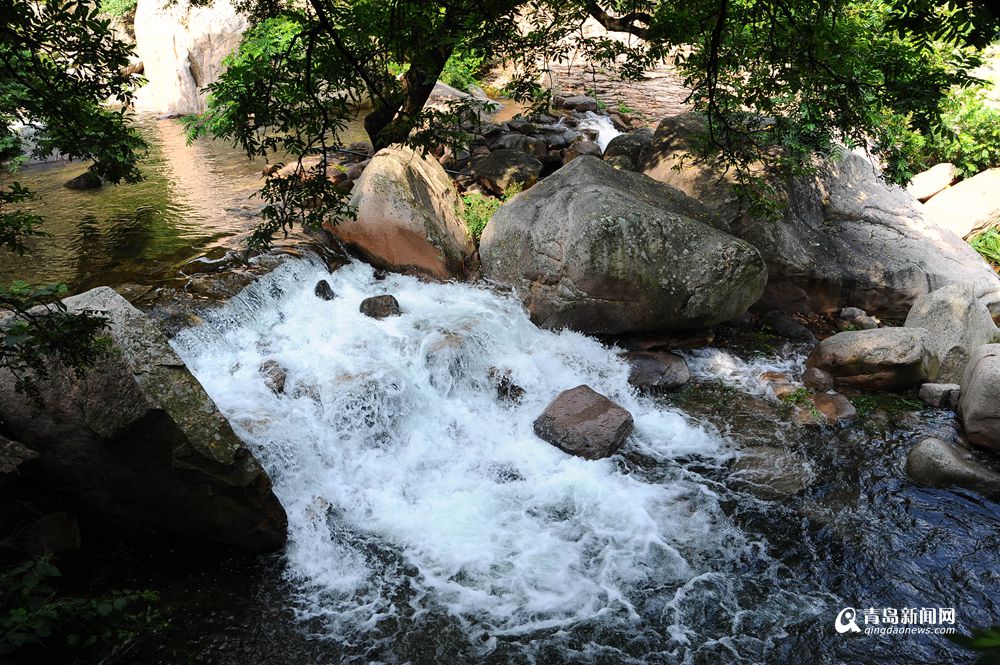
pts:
pixel 427 522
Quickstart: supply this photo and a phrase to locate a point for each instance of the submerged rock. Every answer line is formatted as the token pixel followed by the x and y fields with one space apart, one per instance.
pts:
pixel 85 180
pixel 847 238
pixel 408 217
pixel 585 423
pixel 979 403
pixel 958 324
pixel 881 359
pixel 934 462
pixel 772 473
pixel 137 442
pixel 380 307
pixel 657 371
pixel 784 325
pixel 275 376
pixel 605 251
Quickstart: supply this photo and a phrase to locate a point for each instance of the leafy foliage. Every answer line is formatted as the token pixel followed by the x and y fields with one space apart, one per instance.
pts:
pixel 118 8
pixel 33 614
pixel 777 80
pixel 62 81
pixel 462 69
pixel 987 243
pixel 968 135
pixel 478 211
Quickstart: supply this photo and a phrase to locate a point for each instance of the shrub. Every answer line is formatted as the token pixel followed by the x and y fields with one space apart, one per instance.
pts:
pixel 987 243
pixel 117 8
pixel 34 616
pixel 478 210
pixel 969 134
pixel 462 69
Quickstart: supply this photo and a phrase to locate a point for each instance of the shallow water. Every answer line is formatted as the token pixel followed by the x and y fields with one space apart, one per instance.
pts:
pixel 429 524
pixel 193 198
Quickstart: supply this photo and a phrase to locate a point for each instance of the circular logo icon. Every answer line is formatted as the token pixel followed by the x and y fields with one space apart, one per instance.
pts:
pixel 847 621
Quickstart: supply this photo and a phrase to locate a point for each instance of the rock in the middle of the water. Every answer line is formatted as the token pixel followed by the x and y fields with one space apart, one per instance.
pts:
pixel 605 251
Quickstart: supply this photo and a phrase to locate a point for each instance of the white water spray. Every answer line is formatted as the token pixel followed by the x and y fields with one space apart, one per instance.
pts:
pixel 415 494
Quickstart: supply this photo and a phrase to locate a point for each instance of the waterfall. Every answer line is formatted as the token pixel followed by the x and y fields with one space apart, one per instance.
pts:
pixel 422 506
pixel 602 123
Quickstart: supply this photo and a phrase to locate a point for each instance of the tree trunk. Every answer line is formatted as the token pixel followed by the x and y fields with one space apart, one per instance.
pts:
pixel 389 124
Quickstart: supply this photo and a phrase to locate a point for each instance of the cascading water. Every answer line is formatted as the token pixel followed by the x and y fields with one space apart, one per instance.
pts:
pixel 422 507
pixel 602 125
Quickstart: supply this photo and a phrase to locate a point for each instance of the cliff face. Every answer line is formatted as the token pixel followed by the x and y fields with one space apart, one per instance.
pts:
pixel 182 48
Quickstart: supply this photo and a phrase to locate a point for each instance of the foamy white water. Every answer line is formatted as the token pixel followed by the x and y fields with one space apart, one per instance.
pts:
pixel 414 493
pixel 602 123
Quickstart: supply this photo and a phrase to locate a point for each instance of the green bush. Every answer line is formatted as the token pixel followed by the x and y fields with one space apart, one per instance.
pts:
pixel 969 134
pixel 987 243
pixel 34 616
pixel 118 7
pixel 462 69
pixel 478 210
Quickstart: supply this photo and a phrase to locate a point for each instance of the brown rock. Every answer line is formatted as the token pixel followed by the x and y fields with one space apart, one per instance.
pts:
pixel 817 379
pixel 836 408
pixel 380 307
pixel 407 216
pixel 583 422
pixel 274 376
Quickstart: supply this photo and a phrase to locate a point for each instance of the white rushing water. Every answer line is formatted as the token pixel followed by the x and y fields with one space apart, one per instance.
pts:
pixel 602 124
pixel 414 492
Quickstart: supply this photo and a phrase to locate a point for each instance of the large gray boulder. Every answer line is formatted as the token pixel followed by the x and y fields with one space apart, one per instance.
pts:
pixel 136 442
pixel 979 402
pixel 958 324
pixel 605 251
pixel 408 216
pixel 879 359
pixel 935 462
pixel 846 237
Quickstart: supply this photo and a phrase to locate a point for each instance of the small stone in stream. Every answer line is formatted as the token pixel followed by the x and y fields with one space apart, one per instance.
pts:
pixel 380 307
pixel 817 379
pixel 785 326
pixel 324 291
pixel 507 390
pixel 934 462
pixel 855 318
pixel 274 376
pixel 940 395
pixel 657 371
pixel 835 408
pixel 585 423
pixel 86 180
pixel 779 382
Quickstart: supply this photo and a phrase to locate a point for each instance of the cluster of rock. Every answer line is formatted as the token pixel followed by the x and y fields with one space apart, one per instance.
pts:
pixel 964 207
pixel 948 349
